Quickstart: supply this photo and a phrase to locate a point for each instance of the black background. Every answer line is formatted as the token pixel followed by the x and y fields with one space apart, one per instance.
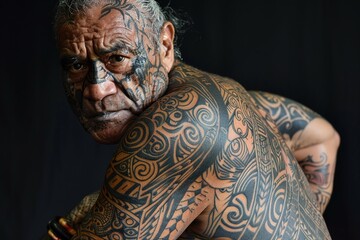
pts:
pixel 307 50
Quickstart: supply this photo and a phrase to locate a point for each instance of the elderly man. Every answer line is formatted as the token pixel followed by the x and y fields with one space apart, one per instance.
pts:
pixel 198 156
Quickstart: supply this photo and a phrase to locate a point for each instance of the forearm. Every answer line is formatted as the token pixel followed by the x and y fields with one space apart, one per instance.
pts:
pixel 318 163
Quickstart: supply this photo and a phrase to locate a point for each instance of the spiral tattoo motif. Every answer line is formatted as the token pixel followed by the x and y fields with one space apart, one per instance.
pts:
pixel 207 143
pixel 205 116
pixel 144 170
pixel 138 136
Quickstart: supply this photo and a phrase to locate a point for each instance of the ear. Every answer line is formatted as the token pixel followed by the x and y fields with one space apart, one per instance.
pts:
pixel 167 45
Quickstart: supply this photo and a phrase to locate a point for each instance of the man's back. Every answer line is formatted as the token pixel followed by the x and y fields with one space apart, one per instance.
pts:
pixel 259 189
pixel 198 157
pixel 204 159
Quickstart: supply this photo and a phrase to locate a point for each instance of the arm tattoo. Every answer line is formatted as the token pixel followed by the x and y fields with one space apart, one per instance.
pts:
pixel 203 151
pixel 317 173
pixel 154 182
pixel 282 206
pixel 289 116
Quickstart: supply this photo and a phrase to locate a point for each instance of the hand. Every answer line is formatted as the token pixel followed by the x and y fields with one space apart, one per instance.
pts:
pixel 77 214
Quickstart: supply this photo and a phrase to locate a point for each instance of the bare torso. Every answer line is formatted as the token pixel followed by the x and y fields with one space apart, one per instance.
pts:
pixel 206 159
pixel 257 188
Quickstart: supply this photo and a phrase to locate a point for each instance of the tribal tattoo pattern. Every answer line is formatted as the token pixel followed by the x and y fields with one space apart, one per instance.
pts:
pixel 203 160
pixel 134 67
pixel 199 160
pixel 290 117
pixel 318 174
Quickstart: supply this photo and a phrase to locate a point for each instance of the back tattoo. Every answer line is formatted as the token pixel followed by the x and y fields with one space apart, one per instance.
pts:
pixel 203 158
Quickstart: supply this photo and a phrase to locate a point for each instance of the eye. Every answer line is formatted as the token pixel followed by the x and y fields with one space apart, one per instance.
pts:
pixel 117 63
pixel 114 59
pixel 77 66
pixel 77 70
pixel 72 64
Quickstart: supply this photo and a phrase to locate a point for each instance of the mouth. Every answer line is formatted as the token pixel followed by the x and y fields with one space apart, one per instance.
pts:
pixel 107 121
pixel 107 126
pixel 104 116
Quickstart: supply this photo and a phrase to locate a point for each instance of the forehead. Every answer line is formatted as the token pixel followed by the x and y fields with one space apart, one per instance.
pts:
pixel 96 29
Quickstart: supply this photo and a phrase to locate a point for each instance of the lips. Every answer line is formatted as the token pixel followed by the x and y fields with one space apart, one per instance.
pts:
pixel 102 120
pixel 102 116
pixel 107 127
pixel 108 108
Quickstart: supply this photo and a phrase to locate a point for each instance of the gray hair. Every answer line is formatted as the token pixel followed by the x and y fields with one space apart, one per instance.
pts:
pixel 67 10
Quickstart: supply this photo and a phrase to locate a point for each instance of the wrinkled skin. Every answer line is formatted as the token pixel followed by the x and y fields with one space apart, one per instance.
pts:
pixel 113 69
pixel 206 160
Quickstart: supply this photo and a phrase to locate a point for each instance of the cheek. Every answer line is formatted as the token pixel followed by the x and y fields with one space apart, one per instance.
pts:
pixel 137 83
pixel 148 74
pixel 141 68
pixel 160 81
pixel 74 96
pixel 146 82
pixel 72 90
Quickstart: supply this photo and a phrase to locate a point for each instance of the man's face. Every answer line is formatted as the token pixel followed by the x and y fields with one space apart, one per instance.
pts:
pixel 113 69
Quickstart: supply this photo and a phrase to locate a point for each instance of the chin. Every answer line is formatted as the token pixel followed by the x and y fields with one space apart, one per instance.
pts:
pixel 108 131
pixel 108 135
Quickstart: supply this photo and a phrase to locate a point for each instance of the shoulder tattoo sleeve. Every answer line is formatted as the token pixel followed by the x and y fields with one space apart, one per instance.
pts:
pixel 289 116
pixel 153 187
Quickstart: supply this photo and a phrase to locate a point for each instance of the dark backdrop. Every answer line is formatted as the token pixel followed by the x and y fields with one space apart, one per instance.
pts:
pixel 307 50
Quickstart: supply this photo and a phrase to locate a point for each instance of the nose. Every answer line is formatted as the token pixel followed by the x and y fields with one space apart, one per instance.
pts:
pixel 97 86
pixel 99 91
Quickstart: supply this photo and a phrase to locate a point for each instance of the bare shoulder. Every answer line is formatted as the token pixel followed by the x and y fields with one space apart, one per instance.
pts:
pixel 259 188
pixel 202 162
pixel 154 186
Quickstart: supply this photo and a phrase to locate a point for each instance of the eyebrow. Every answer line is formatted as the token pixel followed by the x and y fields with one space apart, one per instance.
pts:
pixel 70 59
pixel 118 46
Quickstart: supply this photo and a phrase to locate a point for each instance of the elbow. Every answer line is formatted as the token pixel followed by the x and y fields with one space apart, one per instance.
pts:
pixel 335 139
pixel 327 134
pixel 338 139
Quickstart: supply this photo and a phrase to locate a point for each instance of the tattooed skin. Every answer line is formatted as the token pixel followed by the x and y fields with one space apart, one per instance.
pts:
pixel 110 79
pixel 202 158
pixel 290 117
pixel 197 159
pixel 317 173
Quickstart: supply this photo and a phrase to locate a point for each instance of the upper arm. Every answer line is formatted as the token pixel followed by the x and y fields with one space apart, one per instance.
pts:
pixel 153 187
pixel 291 119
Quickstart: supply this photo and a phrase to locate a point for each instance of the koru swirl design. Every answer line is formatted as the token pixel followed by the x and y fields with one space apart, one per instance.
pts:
pixel 290 117
pixel 204 144
pixel 202 161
